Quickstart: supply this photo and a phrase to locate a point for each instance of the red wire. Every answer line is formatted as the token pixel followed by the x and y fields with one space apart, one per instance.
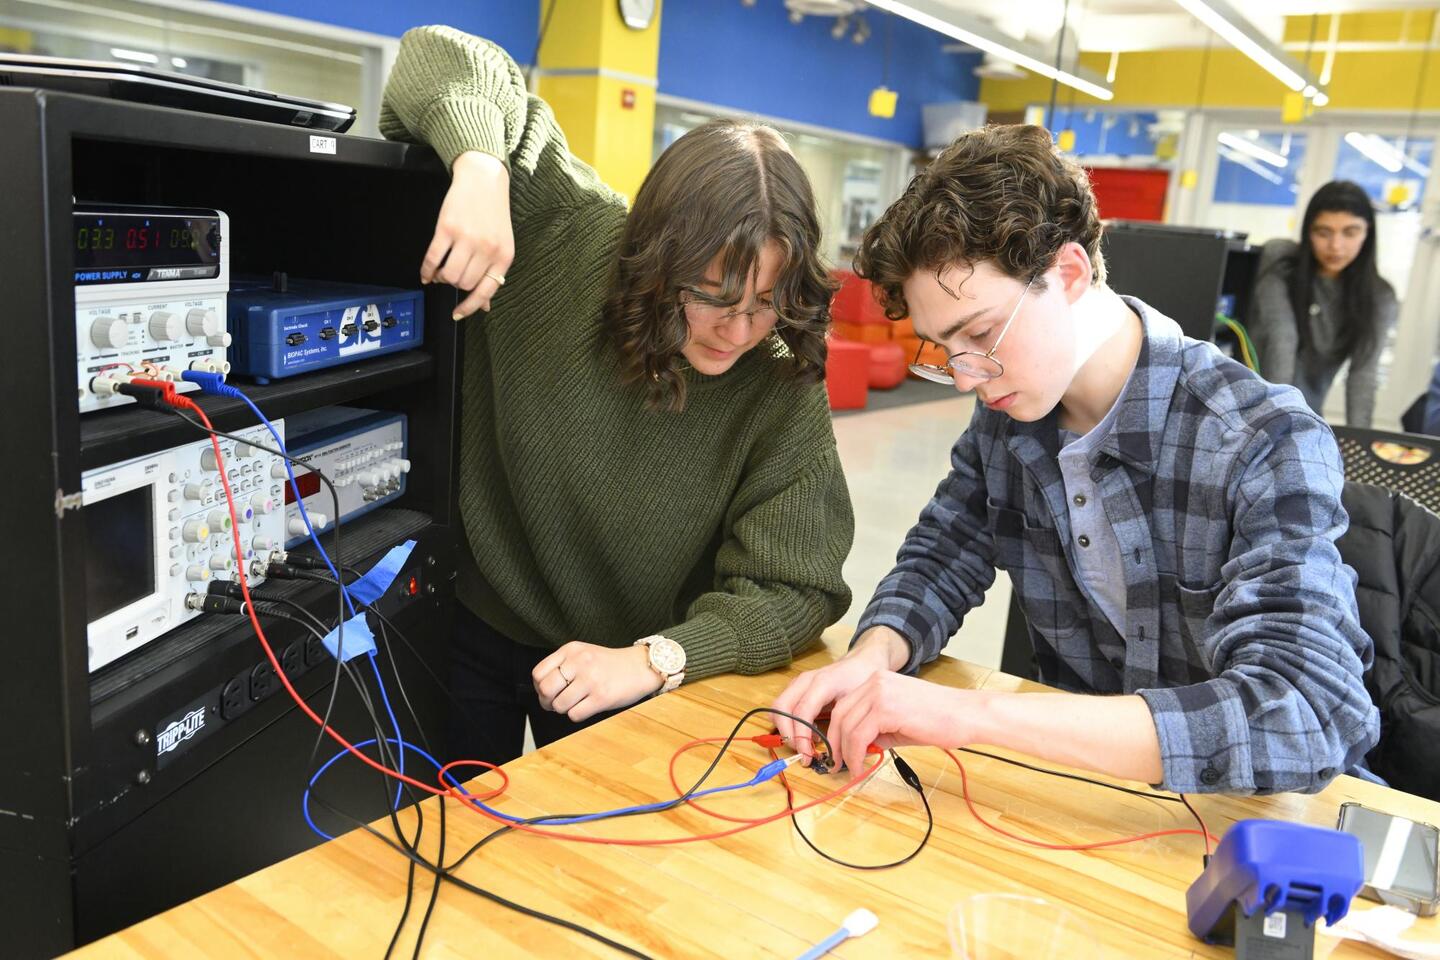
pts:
pixel 177 400
pixel 664 841
pixel 468 800
pixel 471 800
pixel 965 792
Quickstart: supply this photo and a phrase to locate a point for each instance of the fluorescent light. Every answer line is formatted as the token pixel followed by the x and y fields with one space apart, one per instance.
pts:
pixel 1256 150
pixel 179 63
pixel 1114 65
pixel 1382 153
pixel 139 56
pixel 1240 38
pixel 1389 155
pixel 1320 99
pixel 1255 168
pixel 935 21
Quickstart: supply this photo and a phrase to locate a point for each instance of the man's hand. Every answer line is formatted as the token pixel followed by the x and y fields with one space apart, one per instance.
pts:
pixel 879 650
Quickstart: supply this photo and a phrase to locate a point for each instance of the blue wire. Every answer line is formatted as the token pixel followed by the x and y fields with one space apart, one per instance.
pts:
pixel 765 774
pixel 214 384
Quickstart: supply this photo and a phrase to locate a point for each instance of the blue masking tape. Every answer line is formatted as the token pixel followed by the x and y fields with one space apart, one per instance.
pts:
pixel 358 639
pixel 373 585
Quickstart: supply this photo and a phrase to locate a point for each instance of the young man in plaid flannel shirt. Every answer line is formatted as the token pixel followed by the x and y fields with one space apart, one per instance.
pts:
pixel 1167 518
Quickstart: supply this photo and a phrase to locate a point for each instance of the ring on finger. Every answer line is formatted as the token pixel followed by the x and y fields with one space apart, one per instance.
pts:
pixel 499 280
pixel 563 675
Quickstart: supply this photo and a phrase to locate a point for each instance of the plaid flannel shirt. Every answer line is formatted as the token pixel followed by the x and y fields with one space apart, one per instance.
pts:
pixel 1242 633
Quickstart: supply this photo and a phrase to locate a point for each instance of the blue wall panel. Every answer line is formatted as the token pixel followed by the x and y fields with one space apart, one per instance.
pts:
pixel 755 59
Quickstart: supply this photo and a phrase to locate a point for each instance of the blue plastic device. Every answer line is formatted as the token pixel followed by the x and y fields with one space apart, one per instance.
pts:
pixel 313 324
pixel 1273 866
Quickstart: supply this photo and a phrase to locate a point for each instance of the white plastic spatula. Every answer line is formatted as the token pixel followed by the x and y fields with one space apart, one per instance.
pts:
pixel 858 924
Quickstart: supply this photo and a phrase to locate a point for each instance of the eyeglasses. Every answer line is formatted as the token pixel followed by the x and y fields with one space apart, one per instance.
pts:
pixel 968 363
pixel 713 315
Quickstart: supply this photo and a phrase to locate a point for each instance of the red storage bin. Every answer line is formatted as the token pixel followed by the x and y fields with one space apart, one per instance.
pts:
pixel 847 374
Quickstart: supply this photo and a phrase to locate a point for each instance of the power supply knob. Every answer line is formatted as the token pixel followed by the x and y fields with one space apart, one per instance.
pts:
pixel 165 325
pixel 194 531
pixel 196 572
pixel 277 470
pixel 261 504
pixel 202 322
pixel 197 491
pixel 109 332
pixel 368 478
pixel 219 340
pixel 221 563
pixel 263 543
pixel 243 450
pixel 219 521
pixel 208 461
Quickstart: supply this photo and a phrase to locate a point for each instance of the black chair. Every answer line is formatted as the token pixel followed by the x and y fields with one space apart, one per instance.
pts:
pixel 1407 463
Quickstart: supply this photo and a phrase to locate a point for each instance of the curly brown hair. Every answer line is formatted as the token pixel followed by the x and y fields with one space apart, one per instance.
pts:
pixel 724 189
pixel 1002 194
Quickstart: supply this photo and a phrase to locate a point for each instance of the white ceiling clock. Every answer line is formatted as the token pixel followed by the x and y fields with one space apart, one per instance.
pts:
pixel 637 14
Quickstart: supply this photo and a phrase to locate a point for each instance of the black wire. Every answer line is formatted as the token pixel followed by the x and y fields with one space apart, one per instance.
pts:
pixel 340 594
pixel 539 42
pixel 382 746
pixel 669 805
pixel 1059 52
pixel 386 756
pixel 1147 794
pixel 911 780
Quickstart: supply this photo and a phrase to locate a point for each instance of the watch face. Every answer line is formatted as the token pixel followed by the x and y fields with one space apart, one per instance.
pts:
pixel 637 14
pixel 667 656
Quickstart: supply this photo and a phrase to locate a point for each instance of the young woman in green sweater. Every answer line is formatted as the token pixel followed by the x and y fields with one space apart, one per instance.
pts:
pixel 649 486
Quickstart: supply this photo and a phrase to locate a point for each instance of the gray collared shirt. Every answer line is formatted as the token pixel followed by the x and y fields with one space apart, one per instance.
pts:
pixel 1099 571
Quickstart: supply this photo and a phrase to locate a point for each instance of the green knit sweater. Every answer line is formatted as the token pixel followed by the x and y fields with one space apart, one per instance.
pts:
pixel 589 516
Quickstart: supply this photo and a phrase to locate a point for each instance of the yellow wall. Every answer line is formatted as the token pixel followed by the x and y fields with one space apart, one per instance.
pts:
pixel 1383 80
pixel 589 38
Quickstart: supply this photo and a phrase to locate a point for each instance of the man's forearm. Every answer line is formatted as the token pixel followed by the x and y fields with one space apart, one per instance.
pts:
pixel 1110 735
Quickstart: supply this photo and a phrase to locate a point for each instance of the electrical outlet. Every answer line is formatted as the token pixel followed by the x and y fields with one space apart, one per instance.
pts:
pixel 292 661
pixel 233 699
pixel 263 681
pixel 314 651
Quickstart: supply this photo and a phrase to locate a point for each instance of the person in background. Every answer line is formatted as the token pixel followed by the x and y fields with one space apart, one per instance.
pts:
pixel 648 481
pixel 1322 303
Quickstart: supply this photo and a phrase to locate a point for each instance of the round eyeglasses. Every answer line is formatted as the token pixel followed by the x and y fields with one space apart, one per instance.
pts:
pixel 968 363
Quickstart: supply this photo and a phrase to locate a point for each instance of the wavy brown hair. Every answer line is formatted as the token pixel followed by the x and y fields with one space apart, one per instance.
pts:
pixel 724 189
pixel 1003 194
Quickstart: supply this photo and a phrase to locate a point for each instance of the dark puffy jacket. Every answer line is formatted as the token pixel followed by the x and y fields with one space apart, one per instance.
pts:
pixel 1394 546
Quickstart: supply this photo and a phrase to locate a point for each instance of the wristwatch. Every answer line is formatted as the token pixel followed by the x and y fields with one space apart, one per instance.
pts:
pixel 667 658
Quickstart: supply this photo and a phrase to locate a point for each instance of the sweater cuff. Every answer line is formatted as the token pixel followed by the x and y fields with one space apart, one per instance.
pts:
pixel 710 645
pixel 453 126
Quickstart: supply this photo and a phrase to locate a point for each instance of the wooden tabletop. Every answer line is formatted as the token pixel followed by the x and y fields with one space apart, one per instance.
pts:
pixel 761 892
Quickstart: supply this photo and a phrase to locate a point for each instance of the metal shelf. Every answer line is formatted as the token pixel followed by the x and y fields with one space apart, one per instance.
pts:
pixel 130 431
